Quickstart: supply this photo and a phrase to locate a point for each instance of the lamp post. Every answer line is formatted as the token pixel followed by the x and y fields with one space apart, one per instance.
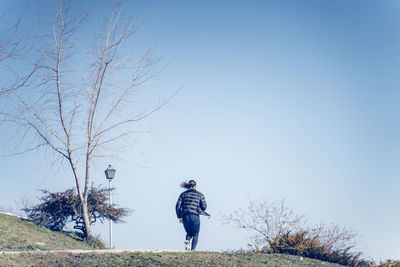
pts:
pixel 110 172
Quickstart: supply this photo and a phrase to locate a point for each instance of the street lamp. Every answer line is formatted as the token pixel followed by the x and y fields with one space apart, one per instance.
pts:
pixel 110 172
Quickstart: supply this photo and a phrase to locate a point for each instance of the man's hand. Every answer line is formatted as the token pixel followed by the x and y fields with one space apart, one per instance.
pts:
pixel 180 220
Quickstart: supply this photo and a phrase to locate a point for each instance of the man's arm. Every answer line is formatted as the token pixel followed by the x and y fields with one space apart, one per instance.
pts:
pixel 203 203
pixel 178 207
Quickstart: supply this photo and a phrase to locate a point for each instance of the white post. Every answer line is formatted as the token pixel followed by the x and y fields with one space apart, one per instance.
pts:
pixel 109 187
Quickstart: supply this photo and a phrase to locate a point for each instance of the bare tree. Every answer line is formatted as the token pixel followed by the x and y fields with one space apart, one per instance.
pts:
pixel 80 100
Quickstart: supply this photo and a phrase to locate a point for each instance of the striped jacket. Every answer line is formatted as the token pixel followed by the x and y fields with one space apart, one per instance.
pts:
pixel 190 202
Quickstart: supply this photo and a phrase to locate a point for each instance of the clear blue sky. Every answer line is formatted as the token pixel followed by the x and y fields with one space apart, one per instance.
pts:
pixel 282 99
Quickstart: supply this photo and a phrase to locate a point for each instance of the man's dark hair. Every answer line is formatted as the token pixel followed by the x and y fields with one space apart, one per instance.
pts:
pixel 188 185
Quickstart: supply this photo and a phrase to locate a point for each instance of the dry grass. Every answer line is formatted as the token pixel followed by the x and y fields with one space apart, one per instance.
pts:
pixel 20 234
pixel 159 259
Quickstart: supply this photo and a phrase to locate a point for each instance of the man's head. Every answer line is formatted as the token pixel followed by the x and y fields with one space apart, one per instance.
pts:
pixel 189 185
pixel 192 184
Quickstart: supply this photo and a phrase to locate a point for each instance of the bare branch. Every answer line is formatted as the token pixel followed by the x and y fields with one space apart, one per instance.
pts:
pixel 110 140
pixel 39 119
pixel 47 141
pixel 100 132
pixel 22 152
pixel 12 46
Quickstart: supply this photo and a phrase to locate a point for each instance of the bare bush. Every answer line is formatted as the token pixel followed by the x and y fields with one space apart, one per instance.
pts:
pixel 389 263
pixel 278 229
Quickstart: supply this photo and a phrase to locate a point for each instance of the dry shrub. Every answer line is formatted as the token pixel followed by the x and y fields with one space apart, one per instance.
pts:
pixel 389 263
pixel 278 229
pixel 305 243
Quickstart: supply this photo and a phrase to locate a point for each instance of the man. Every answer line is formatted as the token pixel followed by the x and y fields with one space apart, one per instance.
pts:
pixel 189 206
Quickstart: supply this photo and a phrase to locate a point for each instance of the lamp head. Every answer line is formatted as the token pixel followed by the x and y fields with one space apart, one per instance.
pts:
pixel 110 172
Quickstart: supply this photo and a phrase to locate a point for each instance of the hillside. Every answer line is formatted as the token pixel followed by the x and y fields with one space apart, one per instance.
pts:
pixel 20 234
pixel 17 234
pixel 194 259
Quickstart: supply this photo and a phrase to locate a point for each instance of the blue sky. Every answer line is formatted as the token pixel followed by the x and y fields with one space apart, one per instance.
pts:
pixel 281 99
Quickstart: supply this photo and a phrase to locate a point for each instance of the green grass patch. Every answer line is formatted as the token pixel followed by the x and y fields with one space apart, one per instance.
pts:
pixel 159 259
pixel 20 234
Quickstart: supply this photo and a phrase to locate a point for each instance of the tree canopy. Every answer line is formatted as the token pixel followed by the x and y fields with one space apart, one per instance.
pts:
pixel 55 210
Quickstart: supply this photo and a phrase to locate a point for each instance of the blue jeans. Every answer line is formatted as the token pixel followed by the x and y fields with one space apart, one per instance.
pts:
pixel 191 222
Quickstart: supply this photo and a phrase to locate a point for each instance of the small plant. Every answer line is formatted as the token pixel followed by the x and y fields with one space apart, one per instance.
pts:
pixel 94 242
pixel 305 243
pixel 278 229
pixel 389 263
pixel 57 209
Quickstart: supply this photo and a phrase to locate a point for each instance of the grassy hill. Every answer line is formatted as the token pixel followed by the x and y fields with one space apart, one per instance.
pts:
pixel 191 259
pixel 20 234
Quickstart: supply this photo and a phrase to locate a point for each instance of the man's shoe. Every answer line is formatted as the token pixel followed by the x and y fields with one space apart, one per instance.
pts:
pixel 187 244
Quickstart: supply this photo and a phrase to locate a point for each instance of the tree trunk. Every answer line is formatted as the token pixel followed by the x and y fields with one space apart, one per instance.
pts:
pixel 85 215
